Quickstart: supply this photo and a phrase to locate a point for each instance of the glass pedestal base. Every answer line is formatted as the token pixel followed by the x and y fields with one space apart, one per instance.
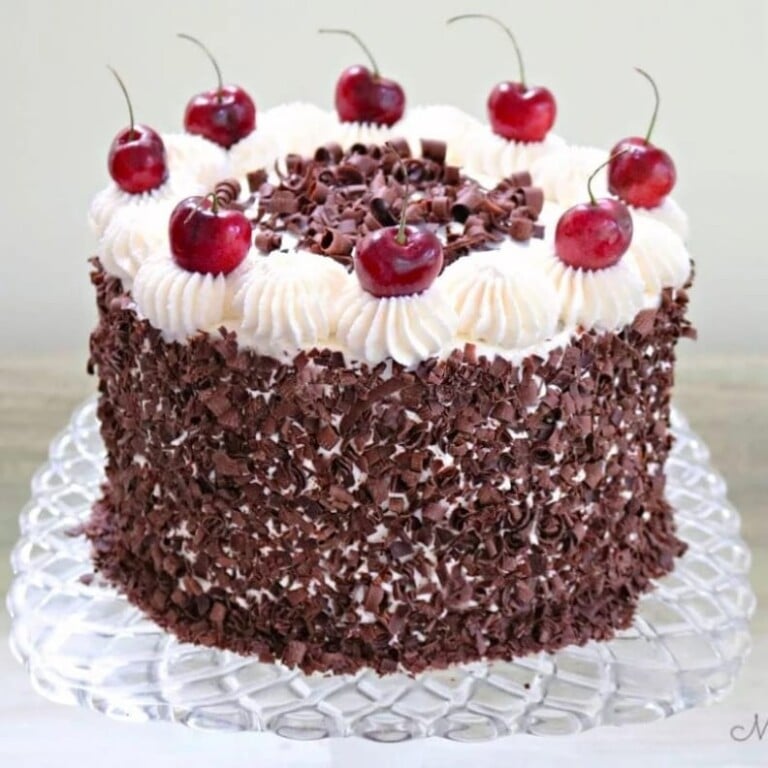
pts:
pixel 83 643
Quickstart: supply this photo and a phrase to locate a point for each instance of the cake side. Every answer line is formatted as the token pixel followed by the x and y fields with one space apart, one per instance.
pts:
pixel 384 516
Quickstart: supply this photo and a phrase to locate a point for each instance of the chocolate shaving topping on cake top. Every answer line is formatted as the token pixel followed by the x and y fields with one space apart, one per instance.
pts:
pixel 328 202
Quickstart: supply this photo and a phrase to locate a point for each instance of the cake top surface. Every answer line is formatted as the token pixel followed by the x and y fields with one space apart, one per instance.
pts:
pixel 313 186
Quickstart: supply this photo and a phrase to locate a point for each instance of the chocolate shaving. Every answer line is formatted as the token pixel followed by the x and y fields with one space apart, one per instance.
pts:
pixel 324 526
pixel 256 179
pixel 331 200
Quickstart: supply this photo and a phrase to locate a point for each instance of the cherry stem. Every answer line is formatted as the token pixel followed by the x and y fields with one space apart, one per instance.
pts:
pixel 401 236
pixel 496 21
pixel 127 99
pixel 214 202
pixel 657 100
pixel 374 65
pixel 592 198
pixel 194 40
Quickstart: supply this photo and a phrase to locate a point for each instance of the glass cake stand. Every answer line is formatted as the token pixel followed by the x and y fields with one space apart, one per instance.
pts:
pixel 83 643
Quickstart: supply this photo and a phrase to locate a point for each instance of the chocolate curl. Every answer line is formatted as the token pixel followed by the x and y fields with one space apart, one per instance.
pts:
pixel 538 231
pixel 334 243
pixel 520 228
pixel 266 241
pixel 256 179
pixel 434 150
pixel 318 193
pixel 467 201
pixel 329 153
pixel 347 174
pixel 400 146
pixel 451 175
pixel 533 199
pixel 227 191
pixel 521 179
pixel 294 164
pixel 366 164
pixel 282 201
pixel 441 207
pixel 371 223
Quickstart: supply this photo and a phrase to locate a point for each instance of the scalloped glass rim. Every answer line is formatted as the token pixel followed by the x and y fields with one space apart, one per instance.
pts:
pixel 83 643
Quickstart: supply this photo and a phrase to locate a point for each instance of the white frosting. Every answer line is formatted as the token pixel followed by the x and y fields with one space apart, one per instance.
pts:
pixel 348 134
pixel 298 127
pixel 289 301
pixel 257 150
pixel 658 255
pixel 486 153
pixel 112 199
pixel 134 233
pixel 178 302
pixel 669 213
pixel 442 122
pixel 563 177
pixel 406 328
pixel 603 299
pixel 189 155
pixel 502 298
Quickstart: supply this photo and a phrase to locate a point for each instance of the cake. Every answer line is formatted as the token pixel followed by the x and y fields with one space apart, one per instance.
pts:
pixel 303 471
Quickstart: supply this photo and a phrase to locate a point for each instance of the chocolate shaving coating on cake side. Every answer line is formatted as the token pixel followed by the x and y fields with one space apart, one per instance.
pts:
pixel 335 519
pixel 329 201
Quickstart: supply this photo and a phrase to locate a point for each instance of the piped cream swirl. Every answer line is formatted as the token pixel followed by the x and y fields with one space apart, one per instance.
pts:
pixel 502 298
pixel 297 127
pixel 658 255
pixel 289 301
pixel 600 299
pixel 408 329
pixel 178 302
pixel 194 156
pixel 111 199
pixel 487 154
pixel 133 234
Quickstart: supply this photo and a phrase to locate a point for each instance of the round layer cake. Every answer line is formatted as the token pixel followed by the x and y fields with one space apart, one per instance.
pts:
pixel 303 471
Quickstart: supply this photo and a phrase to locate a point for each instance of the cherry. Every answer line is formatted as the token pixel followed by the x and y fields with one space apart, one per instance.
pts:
pixel 398 261
pixel 594 235
pixel 224 114
pixel 208 238
pixel 516 111
pixel 363 95
pixel 640 173
pixel 137 154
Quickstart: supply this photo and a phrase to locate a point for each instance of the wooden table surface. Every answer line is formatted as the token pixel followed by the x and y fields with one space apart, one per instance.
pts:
pixel 726 401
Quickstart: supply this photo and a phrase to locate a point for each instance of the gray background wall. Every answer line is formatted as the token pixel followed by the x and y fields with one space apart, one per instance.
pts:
pixel 60 110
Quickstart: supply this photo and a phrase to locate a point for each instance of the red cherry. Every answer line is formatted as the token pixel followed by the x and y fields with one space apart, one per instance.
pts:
pixel 516 111
pixel 594 235
pixel 640 173
pixel 207 238
pixel 388 264
pixel 224 114
pixel 363 95
pixel 519 113
pixel 136 158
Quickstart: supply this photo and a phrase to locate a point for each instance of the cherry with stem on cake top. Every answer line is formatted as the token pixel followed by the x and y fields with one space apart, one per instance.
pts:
pixel 206 237
pixel 362 94
pixel 517 111
pixel 594 235
pixel 644 174
pixel 136 158
pixel 224 114
pixel 398 260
